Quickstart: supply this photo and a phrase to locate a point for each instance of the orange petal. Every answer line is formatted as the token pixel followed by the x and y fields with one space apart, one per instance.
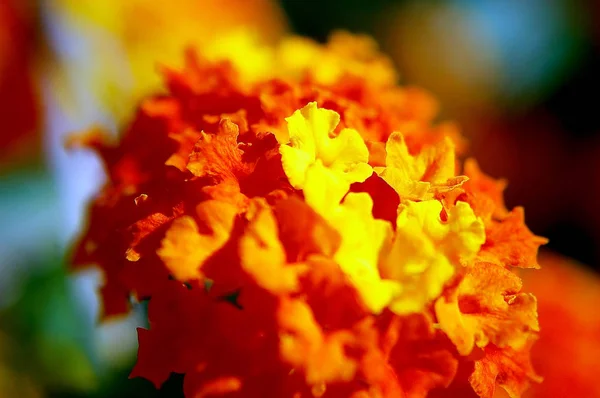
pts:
pixel 217 156
pixel 509 242
pixel 486 307
pixel 185 248
pixel 510 368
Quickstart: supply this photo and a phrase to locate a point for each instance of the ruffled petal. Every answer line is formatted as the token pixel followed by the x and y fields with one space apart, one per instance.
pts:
pixel 487 307
pixel 426 251
pixel 184 248
pixel 310 131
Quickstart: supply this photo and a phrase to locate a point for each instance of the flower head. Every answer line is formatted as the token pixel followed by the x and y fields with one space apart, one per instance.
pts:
pixel 310 234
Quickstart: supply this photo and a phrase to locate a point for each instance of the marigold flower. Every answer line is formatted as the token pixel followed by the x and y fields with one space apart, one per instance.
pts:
pixel 310 234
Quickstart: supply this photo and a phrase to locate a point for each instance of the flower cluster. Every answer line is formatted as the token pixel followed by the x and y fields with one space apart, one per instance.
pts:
pixel 309 231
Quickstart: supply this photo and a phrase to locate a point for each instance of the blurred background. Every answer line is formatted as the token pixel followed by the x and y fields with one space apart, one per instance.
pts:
pixel 519 76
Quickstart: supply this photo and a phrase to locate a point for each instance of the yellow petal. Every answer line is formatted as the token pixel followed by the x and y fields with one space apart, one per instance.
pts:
pixel 363 239
pixel 426 250
pixel 184 249
pixel 324 189
pixel 322 356
pixel 311 137
pixel 362 236
pixel 466 232
pixel 295 163
pixel 415 177
pixel 263 256
pixel 401 180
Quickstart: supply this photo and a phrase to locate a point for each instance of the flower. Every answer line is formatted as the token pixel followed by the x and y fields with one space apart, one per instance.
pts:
pixel 310 234
pixel 568 295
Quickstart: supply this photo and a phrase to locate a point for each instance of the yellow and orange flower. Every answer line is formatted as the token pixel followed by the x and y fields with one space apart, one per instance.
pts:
pixel 308 231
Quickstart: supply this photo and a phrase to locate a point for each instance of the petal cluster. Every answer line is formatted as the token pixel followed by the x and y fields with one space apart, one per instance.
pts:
pixel 310 233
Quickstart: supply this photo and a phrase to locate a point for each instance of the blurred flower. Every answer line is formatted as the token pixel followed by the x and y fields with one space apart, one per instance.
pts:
pixel 18 103
pixel 568 297
pixel 121 51
pixel 309 233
